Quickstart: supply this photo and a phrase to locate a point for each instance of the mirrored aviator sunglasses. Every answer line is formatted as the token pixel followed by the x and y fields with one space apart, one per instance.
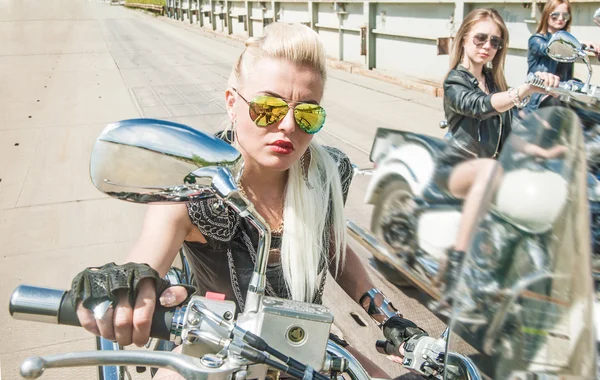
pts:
pixel 556 15
pixel 495 42
pixel 266 110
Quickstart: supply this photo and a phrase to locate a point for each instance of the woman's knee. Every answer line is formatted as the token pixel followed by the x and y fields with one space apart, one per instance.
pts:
pixel 473 175
pixel 487 174
pixel 490 173
pixel 486 166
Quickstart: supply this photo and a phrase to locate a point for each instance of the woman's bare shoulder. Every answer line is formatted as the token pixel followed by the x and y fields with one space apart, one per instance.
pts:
pixel 178 215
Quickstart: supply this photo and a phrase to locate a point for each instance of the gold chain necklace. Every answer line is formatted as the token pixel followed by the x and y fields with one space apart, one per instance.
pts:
pixel 279 229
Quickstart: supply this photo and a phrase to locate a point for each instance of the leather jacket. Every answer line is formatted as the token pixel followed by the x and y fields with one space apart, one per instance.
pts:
pixel 538 60
pixel 476 126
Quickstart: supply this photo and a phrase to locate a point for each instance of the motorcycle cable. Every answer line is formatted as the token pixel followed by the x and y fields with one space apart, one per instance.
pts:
pixel 256 356
pixel 260 344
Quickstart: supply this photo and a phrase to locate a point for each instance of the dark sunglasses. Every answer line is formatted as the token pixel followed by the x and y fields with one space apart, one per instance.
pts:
pixel 266 110
pixel 565 15
pixel 481 38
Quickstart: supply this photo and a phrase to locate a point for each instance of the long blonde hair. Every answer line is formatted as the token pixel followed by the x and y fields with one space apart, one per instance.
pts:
pixel 548 8
pixel 458 49
pixel 308 237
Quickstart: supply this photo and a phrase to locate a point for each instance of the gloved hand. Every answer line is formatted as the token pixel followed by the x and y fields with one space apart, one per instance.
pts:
pixel 398 330
pixel 108 282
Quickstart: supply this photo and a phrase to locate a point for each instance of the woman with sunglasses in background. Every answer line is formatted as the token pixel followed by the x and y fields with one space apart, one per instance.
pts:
pixel 477 104
pixel 556 16
pixel 297 185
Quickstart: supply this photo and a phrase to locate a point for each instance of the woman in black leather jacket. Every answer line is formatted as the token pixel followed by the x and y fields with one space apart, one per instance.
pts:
pixel 477 103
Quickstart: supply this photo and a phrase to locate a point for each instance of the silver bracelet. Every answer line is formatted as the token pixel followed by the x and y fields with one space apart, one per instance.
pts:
pixel 522 103
pixel 514 97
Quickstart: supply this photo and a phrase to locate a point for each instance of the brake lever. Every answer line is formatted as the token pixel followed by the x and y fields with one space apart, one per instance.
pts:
pixel 187 366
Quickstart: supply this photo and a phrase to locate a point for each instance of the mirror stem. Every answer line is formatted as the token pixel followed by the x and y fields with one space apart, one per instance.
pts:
pixel 586 87
pixel 256 288
pixel 225 187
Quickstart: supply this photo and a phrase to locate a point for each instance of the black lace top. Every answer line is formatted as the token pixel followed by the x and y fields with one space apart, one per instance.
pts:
pixel 224 264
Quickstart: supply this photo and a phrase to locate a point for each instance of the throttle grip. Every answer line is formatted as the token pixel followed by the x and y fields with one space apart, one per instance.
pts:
pixel 386 347
pixel 589 49
pixel 48 305
pixel 571 85
pixel 536 81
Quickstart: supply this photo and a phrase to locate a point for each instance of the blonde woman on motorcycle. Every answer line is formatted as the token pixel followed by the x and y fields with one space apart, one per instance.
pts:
pixel 298 186
pixel 478 105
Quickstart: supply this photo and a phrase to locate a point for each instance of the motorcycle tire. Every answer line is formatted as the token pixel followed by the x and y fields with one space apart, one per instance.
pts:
pixel 394 191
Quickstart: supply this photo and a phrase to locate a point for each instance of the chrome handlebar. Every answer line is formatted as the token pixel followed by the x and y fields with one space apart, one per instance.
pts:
pixel 208 367
pixel 226 350
pixel 572 92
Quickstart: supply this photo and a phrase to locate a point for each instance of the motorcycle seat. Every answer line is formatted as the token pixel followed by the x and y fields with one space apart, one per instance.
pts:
pixel 434 144
pixel 433 195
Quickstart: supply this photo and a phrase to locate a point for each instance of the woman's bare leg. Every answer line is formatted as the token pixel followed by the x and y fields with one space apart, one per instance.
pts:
pixel 469 181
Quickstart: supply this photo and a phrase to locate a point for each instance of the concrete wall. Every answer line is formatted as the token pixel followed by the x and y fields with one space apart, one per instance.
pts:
pixel 399 38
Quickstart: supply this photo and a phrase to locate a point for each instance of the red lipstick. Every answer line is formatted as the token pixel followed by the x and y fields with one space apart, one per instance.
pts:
pixel 282 147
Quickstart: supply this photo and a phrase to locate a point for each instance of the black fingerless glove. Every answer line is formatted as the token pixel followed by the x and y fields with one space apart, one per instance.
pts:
pixel 98 284
pixel 398 330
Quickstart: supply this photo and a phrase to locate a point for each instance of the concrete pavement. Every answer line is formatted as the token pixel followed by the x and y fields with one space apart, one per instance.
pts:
pixel 68 68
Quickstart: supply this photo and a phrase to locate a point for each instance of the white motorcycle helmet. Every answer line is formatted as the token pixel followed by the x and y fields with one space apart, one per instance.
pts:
pixel 531 199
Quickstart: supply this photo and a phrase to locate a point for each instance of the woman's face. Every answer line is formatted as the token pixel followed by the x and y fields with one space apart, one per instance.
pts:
pixel 278 145
pixel 556 18
pixel 478 44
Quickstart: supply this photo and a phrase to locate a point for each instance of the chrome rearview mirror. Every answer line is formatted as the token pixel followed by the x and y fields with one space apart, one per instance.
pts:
pixel 597 17
pixel 157 161
pixel 564 47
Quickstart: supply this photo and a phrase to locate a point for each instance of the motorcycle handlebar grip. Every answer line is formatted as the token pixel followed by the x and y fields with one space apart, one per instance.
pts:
pixel 161 319
pixel 67 314
pixel 588 48
pixel 533 79
pixel 39 304
pixel 386 347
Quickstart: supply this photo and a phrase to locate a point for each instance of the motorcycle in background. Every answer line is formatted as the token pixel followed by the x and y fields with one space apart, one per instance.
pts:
pixel 526 282
pixel 527 274
pixel 416 221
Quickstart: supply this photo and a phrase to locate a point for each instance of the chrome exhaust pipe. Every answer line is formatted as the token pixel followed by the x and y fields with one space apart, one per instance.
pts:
pixel 370 242
pixel 382 253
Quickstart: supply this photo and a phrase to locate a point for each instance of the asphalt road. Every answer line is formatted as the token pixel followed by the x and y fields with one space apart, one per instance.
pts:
pixel 70 67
